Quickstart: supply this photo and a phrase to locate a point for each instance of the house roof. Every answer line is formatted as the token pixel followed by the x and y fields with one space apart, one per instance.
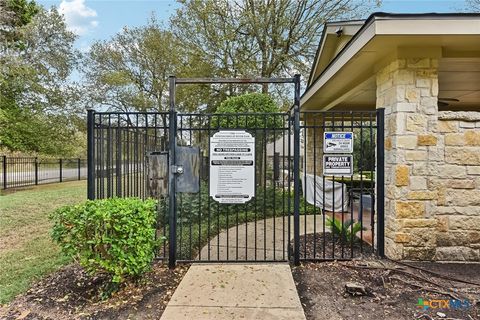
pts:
pixel 348 58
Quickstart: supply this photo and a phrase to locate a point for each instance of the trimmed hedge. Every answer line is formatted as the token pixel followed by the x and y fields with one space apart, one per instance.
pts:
pixel 114 236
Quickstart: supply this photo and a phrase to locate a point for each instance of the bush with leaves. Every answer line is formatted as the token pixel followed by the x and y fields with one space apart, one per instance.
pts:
pixel 346 231
pixel 114 236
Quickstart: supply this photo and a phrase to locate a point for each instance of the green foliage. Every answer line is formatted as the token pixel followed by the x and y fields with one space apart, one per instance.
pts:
pixel 258 38
pixel 364 150
pixel 14 14
pixel 24 10
pixel 116 236
pixel 130 71
pixel 249 103
pixel 346 231
pixel 38 104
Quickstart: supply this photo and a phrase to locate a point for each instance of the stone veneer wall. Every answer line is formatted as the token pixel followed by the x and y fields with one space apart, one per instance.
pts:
pixel 314 144
pixel 458 184
pixel 432 168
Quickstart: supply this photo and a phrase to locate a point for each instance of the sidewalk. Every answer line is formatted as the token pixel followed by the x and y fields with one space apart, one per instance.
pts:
pixel 268 239
pixel 236 291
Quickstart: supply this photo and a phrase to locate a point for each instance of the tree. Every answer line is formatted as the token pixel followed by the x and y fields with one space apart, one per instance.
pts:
pixel 15 14
pixel 130 71
pixel 256 112
pixel 267 38
pixel 37 100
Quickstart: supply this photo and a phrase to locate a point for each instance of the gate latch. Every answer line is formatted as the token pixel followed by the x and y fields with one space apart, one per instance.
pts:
pixel 177 169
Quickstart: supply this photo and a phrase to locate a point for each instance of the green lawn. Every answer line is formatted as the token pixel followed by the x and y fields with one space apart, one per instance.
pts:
pixel 26 251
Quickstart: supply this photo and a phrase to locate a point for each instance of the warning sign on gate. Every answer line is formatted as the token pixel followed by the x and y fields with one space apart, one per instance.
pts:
pixel 338 165
pixel 232 166
pixel 338 142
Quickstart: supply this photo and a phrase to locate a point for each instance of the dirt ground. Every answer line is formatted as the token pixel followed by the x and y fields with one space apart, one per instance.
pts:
pixel 392 290
pixel 324 246
pixel 70 293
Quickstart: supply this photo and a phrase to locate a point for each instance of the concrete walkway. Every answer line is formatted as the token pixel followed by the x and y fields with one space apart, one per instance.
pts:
pixel 236 291
pixel 266 239
pixel 262 240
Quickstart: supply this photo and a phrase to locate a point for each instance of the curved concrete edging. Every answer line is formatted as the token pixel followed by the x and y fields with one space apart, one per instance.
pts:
pixel 266 239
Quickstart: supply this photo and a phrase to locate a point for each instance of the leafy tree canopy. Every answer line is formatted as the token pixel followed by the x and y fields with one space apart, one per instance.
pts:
pixel 263 112
pixel 15 14
pixel 37 99
pixel 268 38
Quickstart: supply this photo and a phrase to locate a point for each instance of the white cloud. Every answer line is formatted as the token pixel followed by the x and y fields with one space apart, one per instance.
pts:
pixel 80 19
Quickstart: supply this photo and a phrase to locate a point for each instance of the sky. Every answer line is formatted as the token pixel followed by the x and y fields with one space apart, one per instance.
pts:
pixel 95 20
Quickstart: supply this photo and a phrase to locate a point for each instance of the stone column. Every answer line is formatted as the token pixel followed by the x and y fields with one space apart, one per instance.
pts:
pixel 408 90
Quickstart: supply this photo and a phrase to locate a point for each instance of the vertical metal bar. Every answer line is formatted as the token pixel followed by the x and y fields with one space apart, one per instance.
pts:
pixel 109 157
pixel 209 123
pixel 314 187
pixel 274 204
pixel 264 173
pixel 362 160
pixel 118 165
pixel 4 172
pixel 135 158
pixel 36 171
pixel 352 124
pixel 246 214
pixel 283 184
pixel 60 164
pixel 200 124
pixel 189 196
pixel 255 198
pixel 171 177
pixel 380 183
pixel 79 168
pixel 324 212
pixel 342 184
pixel 296 172
pixel 90 154
pixel 372 191
pixel 305 129
pixel 333 195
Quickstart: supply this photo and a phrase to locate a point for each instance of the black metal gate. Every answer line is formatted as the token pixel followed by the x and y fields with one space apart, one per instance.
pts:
pixel 289 215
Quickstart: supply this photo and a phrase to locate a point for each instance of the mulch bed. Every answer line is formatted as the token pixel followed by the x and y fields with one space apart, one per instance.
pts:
pixel 325 246
pixel 70 293
pixel 392 290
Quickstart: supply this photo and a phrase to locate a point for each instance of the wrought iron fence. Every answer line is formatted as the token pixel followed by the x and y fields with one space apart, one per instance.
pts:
pixel 338 211
pixel 18 172
pixel 292 208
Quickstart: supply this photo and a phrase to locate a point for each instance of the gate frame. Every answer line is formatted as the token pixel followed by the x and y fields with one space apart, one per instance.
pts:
pixel 294 122
pixel 173 82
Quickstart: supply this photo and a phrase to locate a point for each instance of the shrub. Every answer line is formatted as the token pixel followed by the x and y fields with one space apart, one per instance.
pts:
pixel 345 232
pixel 114 236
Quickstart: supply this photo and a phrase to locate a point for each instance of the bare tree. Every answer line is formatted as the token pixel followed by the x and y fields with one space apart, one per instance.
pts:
pixel 259 37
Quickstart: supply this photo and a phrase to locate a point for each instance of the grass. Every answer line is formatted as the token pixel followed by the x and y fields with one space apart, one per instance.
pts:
pixel 26 251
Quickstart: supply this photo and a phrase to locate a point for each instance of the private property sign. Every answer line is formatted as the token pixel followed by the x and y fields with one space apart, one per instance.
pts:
pixel 337 142
pixel 232 166
pixel 338 165
pixel 338 157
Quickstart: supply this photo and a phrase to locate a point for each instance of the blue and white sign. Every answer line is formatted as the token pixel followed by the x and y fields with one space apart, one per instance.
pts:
pixel 338 142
